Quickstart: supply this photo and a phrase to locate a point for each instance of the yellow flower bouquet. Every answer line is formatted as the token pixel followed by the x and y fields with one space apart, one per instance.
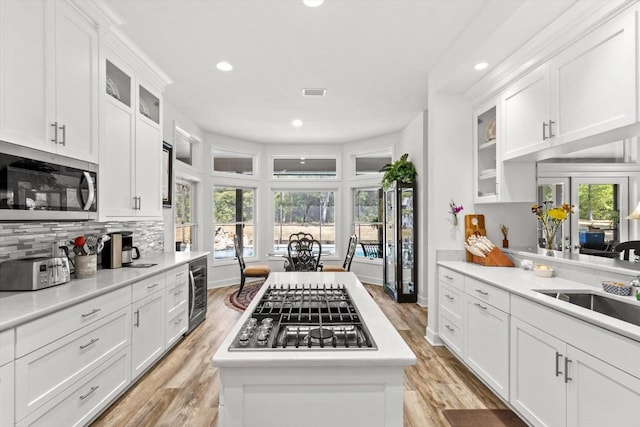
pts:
pixel 551 218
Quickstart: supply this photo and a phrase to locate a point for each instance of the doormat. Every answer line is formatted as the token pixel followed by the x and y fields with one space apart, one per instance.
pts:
pixel 242 301
pixel 482 418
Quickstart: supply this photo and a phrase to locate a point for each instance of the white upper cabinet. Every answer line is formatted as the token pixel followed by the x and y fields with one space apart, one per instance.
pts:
pixel 49 78
pixel 585 90
pixel 131 144
pixel 496 180
pixel 593 82
pixel 526 109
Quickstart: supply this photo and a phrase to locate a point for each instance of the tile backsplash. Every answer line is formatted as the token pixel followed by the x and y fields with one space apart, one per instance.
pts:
pixel 25 239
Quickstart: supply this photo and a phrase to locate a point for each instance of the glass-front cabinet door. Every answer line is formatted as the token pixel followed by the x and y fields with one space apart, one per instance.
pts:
pixel 400 242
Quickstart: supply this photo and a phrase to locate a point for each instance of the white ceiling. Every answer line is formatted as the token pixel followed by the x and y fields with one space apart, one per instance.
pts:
pixel 372 56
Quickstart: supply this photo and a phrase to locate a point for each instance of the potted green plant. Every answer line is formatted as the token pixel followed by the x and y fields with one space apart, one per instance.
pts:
pixel 401 170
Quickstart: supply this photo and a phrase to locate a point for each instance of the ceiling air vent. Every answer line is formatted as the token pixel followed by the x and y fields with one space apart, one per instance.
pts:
pixel 314 92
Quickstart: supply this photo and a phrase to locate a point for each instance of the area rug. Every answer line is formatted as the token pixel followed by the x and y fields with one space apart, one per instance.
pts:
pixel 242 301
pixel 482 418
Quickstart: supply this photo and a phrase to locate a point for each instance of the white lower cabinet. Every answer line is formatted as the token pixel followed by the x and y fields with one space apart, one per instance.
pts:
pixel 87 397
pixel 486 343
pixel 6 394
pixel 177 304
pixel 147 337
pixel 553 383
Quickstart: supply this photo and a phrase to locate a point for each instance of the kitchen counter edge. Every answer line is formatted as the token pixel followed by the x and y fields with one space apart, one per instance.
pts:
pixel 524 283
pixel 17 308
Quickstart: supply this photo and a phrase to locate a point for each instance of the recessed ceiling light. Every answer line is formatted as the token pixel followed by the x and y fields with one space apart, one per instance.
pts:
pixel 302 162
pixel 224 66
pixel 296 123
pixel 480 66
pixel 302 158
pixel 312 3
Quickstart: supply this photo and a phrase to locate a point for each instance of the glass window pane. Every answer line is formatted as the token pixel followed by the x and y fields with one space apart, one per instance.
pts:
pixel 304 168
pixel 232 163
pixel 367 222
pixel 371 164
pixel 233 215
pixel 598 215
pixel 304 211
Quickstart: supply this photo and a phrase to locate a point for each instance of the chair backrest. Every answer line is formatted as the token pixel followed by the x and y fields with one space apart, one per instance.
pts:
pixel 351 251
pixel 304 254
pixel 236 244
pixel 299 235
pixel 372 250
pixel 626 248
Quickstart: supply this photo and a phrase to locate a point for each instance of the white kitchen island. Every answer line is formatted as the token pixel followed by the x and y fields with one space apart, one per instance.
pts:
pixel 315 387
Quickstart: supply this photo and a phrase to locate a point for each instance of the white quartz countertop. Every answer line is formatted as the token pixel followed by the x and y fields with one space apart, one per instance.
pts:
pixel 20 307
pixel 525 283
pixel 392 350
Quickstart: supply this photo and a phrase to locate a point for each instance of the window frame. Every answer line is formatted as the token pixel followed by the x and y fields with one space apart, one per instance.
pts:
pixel 274 178
pixel 181 180
pixel 232 175
pixel 256 237
pixel 355 223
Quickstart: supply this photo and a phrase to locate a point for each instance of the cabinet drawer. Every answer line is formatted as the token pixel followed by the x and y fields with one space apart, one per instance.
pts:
pixel 50 369
pixel 7 348
pixel 451 333
pixel 451 278
pixel 148 286
pixel 80 403
pixel 451 300
pixel 40 332
pixel 176 326
pixel 176 297
pixel 496 297
pixel 178 275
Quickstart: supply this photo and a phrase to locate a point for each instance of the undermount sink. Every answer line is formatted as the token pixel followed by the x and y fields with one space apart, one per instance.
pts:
pixel 627 312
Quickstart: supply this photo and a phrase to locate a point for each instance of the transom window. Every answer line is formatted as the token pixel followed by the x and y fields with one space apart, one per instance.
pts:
pixel 372 163
pixel 225 161
pixel 302 167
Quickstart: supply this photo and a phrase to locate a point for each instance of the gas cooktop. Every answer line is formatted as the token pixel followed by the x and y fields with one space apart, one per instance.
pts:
pixel 299 317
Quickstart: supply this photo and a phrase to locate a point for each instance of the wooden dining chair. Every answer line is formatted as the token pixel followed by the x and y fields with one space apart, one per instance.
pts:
pixel 304 254
pixel 252 270
pixel 346 265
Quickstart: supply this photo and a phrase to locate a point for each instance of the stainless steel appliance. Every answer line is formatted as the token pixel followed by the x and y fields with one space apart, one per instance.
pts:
pixel 31 274
pixel 35 185
pixel 129 252
pixel 304 318
pixel 197 292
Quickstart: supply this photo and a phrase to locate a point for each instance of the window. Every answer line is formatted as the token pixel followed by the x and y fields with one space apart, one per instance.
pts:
pixel 233 214
pixel 312 212
pixel 372 163
pixel 302 167
pixel 367 219
pixel 183 146
pixel 184 221
pixel 224 161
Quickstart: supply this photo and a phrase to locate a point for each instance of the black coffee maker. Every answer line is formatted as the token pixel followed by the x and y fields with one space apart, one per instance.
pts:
pixel 129 252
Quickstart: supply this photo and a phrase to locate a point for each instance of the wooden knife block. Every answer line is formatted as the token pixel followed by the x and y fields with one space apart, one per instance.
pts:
pixel 495 257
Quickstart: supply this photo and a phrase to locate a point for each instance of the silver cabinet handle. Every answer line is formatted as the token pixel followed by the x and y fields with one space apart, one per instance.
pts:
pixel 175 294
pixel 137 323
pixel 551 123
pixel 448 277
pixel 480 305
pixel 93 389
pixel 449 328
pixel 153 286
pixel 567 378
pixel 177 322
pixel 192 284
pixel 481 292
pixel 63 128
pixel 558 357
pixel 544 131
pixel 94 311
pixel 55 132
pixel 449 297
pixel 93 341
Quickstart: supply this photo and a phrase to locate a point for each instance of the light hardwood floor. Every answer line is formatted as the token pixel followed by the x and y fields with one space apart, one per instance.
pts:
pixel 182 389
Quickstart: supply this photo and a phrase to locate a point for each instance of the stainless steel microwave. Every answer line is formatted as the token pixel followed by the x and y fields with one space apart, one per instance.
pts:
pixel 35 185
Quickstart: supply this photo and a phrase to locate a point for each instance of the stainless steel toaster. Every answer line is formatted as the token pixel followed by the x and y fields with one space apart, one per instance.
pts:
pixel 31 274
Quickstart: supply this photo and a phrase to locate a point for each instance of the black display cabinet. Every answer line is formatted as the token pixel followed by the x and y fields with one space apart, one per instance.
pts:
pixel 400 220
